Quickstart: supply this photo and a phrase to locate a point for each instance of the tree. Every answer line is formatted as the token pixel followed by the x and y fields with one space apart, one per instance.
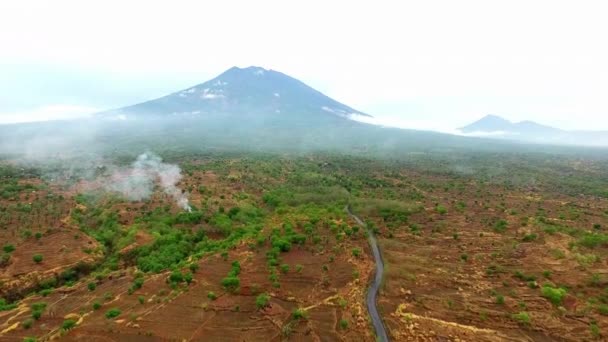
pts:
pixel 37 258
pixel 91 286
pixel 262 301
pixel 68 324
pixel 113 313
pixel 8 248
pixel 231 283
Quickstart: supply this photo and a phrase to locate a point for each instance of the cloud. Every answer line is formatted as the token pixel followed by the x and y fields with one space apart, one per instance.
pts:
pixel 49 112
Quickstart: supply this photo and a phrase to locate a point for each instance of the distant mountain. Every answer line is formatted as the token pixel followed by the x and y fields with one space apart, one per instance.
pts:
pixel 246 109
pixel 494 123
pixel 246 91
pixel 529 131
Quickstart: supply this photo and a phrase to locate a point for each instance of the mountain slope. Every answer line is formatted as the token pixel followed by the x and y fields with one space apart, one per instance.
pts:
pixel 251 90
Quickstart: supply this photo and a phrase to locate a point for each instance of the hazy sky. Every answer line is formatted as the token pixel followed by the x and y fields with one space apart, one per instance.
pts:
pixel 421 64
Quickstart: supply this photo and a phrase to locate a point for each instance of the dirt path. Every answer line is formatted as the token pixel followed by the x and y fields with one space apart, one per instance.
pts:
pixel 374 287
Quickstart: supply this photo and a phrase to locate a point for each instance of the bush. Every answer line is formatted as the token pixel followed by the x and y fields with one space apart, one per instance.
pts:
pixel 46 292
pixel 592 240
pixel 91 286
pixel 211 295
pixel 113 313
pixel 27 323
pixel 299 314
pixel 231 283
pixel 500 299
pixel 554 295
pixel 500 226
pixel 37 309
pixel 5 307
pixel 176 277
pixel 356 252
pixel 343 323
pixel 96 305
pixel 37 258
pixel 525 277
pixel 262 300
pixel 603 309
pixel 595 330
pixel 188 277
pixel 141 299
pixel 522 318
pixel 8 248
pixel 284 268
pixel 441 210
pixel 68 324
pixel 529 237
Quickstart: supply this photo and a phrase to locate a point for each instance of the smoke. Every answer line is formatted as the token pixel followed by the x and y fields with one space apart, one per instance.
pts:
pixel 137 182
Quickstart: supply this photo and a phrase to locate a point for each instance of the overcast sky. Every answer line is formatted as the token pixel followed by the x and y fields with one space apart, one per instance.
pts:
pixel 421 64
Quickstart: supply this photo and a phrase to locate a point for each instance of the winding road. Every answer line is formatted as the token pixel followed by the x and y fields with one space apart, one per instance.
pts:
pixel 374 287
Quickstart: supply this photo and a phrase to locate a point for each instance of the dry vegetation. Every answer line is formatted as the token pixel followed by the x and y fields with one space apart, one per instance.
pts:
pixel 268 253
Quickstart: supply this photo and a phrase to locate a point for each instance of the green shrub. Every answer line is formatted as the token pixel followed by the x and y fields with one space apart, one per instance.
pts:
pixel 188 277
pixel 113 313
pixel 595 330
pixel 231 283
pixel 37 258
pixel 46 292
pixel 299 314
pixel 262 300
pixel 500 299
pixel 525 277
pixel 176 277
pixel 554 295
pixel 96 305
pixel 522 318
pixel 500 226
pixel 27 323
pixel 356 252
pixel 4 306
pixel 68 324
pixel 441 209
pixel 193 268
pixel 37 310
pixel 91 286
pixel 8 248
pixel 592 240
pixel 343 324
pixel 211 295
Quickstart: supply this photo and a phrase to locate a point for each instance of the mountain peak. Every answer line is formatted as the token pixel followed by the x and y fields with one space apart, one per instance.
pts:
pixel 251 70
pixel 494 123
pixel 489 123
pixel 248 91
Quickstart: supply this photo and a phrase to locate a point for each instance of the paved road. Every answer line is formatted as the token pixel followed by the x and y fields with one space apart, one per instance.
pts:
pixel 374 287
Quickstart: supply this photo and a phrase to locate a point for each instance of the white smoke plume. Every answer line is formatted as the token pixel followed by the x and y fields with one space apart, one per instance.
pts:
pixel 137 183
